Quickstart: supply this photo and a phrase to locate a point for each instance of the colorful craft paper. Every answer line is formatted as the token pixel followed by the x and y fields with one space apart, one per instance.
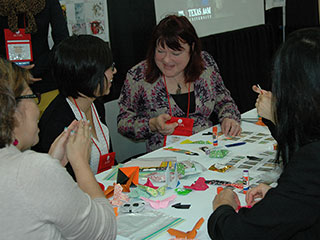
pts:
pixel 219 168
pixel 125 173
pixel 199 185
pixel 154 192
pixel 178 150
pixel 187 141
pixel 183 191
pixel 118 196
pixel 218 153
pixel 186 235
pixel 149 184
pixel 125 187
pixel 137 193
pixel 157 204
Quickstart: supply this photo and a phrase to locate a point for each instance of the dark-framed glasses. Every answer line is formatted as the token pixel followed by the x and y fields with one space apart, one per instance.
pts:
pixel 35 96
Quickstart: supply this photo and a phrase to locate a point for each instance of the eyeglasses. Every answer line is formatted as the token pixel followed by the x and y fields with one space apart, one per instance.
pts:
pixel 35 96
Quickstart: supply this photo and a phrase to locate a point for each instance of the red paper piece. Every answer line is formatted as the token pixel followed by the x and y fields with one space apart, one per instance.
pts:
pixel 247 206
pixel 149 184
pixel 199 185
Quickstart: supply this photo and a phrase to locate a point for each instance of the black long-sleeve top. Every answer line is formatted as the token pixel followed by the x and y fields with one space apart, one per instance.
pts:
pixel 289 211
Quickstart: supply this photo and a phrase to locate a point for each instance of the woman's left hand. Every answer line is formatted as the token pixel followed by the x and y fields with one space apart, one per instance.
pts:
pixel 58 147
pixel 230 127
pixel 226 197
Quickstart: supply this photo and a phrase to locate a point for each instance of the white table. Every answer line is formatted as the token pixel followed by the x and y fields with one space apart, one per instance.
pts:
pixel 201 201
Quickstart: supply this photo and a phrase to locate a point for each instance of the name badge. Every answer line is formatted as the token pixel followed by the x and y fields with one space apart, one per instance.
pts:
pixel 184 129
pixel 18 46
pixel 106 161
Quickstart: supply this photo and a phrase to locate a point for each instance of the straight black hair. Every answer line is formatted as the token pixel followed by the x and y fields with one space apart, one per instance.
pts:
pixel 79 63
pixel 296 91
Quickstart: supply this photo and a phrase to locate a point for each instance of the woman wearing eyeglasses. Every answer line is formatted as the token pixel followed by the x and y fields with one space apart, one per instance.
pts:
pixel 39 200
pixel 83 68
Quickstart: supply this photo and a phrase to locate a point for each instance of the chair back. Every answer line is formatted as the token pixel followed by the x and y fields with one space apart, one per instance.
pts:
pixel 124 147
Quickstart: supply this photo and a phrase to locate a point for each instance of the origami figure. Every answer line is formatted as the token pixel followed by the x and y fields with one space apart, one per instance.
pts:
pixel 186 235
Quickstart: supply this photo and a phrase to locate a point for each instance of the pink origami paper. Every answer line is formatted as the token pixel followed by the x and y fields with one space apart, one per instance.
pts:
pixel 199 185
pixel 157 204
pixel 118 196
pixel 149 184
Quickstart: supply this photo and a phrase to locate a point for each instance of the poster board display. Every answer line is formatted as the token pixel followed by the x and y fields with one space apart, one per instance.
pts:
pixel 214 16
pixel 87 17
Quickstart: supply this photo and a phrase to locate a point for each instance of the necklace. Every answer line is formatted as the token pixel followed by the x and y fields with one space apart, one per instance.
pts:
pixel 178 91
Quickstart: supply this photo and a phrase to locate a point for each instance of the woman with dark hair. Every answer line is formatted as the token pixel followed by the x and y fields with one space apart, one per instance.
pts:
pixel 39 200
pixel 175 90
pixel 83 68
pixel 291 210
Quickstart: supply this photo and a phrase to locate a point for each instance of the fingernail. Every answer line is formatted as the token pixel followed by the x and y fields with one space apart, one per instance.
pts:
pixel 65 129
pixel 72 132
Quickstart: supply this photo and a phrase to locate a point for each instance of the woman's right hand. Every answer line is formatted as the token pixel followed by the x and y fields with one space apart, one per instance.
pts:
pixel 254 195
pixel 158 124
pixel 263 103
pixel 79 146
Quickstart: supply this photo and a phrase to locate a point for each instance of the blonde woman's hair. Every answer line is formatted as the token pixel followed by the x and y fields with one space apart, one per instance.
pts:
pixel 13 81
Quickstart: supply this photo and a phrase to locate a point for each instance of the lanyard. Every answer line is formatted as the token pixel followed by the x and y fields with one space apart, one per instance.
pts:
pixel 165 83
pixel 99 126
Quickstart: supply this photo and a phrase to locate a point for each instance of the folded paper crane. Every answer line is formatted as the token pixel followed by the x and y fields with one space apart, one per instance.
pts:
pixel 129 176
pixel 186 235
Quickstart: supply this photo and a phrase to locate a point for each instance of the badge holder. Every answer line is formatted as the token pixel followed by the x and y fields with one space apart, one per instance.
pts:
pixel 18 47
pixel 106 162
pixel 184 129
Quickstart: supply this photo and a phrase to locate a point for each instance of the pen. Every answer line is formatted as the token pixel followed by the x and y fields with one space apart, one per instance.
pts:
pixel 260 88
pixel 235 144
pixel 192 153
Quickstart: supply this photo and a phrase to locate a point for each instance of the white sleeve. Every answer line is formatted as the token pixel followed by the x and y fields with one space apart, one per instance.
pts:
pixel 53 196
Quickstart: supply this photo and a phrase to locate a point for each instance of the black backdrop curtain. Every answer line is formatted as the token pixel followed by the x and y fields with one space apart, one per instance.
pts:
pixel 130 26
pixel 301 14
pixel 244 58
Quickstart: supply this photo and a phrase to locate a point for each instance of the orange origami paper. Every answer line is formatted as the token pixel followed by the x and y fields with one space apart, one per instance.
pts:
pixel 133 173
pixel 259 122
pixel 186 235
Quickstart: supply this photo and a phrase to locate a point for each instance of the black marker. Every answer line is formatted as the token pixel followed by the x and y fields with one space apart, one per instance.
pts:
pixel 235 144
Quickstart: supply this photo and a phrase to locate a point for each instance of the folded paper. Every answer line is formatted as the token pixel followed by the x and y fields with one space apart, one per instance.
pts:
pixel 186 235
pixel 125 173
pixel 199 185
pixel 157 204
pixel 126 186
pixel 118 196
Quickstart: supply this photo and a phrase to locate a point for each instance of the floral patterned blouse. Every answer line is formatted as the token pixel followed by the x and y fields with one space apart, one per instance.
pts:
pixel 140 101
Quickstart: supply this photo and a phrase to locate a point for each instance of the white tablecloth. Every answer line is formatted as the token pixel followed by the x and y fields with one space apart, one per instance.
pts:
pixel 201 201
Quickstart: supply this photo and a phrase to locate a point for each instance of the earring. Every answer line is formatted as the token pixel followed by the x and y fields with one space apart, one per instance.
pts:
pixel 15 142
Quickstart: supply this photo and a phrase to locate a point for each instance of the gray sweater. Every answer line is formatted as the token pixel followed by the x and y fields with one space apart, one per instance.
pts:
pixel 40 200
